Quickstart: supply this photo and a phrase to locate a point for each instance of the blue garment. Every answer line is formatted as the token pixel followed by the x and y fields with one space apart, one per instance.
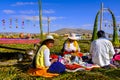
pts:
pixel 56 67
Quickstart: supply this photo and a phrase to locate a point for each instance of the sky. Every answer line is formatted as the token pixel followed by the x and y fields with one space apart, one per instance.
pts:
pixel 23 15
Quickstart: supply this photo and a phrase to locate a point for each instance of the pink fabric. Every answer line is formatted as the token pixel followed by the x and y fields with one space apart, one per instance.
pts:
pixel 19 41
pixel 117 57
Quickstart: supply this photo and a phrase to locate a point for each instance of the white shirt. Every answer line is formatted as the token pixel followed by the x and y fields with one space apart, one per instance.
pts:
pixel 102 51
pixel 71 48
pixel 47 57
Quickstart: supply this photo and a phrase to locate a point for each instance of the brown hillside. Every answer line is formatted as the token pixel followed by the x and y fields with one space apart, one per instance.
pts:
pixel 69 30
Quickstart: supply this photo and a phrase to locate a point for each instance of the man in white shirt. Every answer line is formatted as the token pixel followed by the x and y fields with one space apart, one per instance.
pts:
pixel 102 51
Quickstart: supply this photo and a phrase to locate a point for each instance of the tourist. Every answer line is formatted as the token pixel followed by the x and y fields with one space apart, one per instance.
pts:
pixel 102 51
pixel 41 62
pixel 71 47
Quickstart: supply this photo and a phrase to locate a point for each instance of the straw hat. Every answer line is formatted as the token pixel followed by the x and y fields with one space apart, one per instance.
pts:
pixel 72 36
pixel 49 38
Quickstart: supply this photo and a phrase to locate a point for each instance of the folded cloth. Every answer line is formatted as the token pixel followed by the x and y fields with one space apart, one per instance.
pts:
pixel 75 70
pixel 41 72
pixel 72 66
pixel 90 66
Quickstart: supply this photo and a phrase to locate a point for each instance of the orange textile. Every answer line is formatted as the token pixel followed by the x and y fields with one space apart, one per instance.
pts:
pixel 72 66
pixel 41 72
pixel 91 67
pixel 79 54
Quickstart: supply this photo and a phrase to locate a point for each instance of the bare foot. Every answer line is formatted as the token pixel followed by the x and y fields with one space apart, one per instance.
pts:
pixel 112 66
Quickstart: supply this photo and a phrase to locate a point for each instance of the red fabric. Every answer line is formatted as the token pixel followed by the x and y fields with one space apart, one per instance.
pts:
pixel 65 52
pixel 72 66
pixel 80 54
pixel 54 56
pixel 88 68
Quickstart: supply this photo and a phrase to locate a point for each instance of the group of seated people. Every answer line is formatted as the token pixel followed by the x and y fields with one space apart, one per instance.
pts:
pixel 46 65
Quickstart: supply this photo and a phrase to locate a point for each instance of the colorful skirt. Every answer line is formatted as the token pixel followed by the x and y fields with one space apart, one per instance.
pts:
pixel 41 72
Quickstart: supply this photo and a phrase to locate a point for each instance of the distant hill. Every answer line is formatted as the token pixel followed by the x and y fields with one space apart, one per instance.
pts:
pixel 60 31
pixel 69 30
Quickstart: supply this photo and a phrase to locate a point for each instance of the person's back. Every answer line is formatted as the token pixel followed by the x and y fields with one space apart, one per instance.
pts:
pixel 101 50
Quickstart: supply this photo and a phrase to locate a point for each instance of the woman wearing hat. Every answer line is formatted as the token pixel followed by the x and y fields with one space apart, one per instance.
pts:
pixel 41 61
pixel 71 46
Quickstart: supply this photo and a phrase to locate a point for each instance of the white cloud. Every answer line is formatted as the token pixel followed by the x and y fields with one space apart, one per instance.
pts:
pixel 87 25
pixel 36 18
pixel 107 21
pixel 24 3
pixel 33 18
pixel 53 25
pixel 48 11
pixel 117 16
pixel 27 12
pixel 26 17
pixel 55 18
pixel 52 18
pixel 9 11
pixel 45 24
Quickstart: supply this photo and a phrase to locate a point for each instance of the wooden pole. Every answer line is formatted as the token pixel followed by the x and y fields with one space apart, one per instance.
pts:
pixel 101 16
pixel 40 17
pixel 48 25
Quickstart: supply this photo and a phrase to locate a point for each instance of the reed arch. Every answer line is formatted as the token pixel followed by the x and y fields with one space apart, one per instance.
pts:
pixel 115 39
